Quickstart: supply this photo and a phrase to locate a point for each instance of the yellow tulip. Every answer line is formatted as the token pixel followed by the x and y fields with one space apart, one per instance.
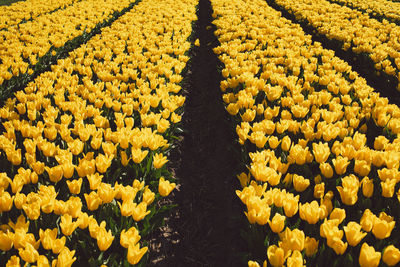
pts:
pixel 295 260
pixel 55 173
pixel 93 200
pixel 103 162
pixel 326 169
pixel 67 225
pixel 94 180
pixel 104 239
pixel 340 164
pixel 159 160
pixel 66 258
pixel 276 255
pixel 391 255
pixel 165 187
pixel 6 201
pixel 353 233
pixel 135 253
pixel 311 246
pixel 348 192
pixel 388 187
pixel 309 212
pixel 130 237
pixel 367 187
pixel 339 214
pixel 382 228
pixel 29 253
pixel 368 256
pixel 300 183
pixel 6 240
pixel 277 223
pixel 148 196
pixel 321 152
pixel 138 155
pixel 140 211
pixel 367 220
pixel 106 192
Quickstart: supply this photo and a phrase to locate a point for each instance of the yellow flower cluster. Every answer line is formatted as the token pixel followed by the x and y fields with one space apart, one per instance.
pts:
pixel 111 106
pixel 26 10
pixel 23 45
pixel 385 8
pixel 379 40
pixel 306 115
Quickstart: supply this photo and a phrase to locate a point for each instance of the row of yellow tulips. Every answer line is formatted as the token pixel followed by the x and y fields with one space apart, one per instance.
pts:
pixel 379 8
pixel 323 147
pixel 354 30
pixel 23 45
pixel 27 10
pixel 84 147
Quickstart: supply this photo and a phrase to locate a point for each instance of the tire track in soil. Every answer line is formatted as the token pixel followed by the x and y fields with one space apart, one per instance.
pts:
pixel 205 228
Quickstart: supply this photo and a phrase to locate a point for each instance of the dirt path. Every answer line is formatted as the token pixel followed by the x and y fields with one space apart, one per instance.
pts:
pixel 205 225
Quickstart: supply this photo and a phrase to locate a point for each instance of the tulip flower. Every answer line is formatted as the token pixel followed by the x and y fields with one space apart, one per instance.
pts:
pixel 348 192
pixel 165 187
pixel 276 255
pixel 6 240
pixel 367 187
pixel 295 260
pixel 148 196
pixel 106 192
pixel 135 253
pixel 321 152
pixel 129 237
pixel 353 233
pixel 94 180
pixel 391 255
pixel 93 200
pixel 300 183
pixel 138 155
pixel 291 206
pixel 104 239
pixel 309 212
pixel 382 228
pixel 311 246
pixel 340 164
pixel 368 257
pixel 74 186
pixel 140 211
pixel 339 214
pixel 66 258
pixel 67 225
pixel 388 187
pixel 367 220
pixel 29 253
pixel 277 223
pixel 159 160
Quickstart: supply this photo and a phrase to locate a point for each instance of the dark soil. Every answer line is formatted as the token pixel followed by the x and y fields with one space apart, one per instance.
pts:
pixel 205 228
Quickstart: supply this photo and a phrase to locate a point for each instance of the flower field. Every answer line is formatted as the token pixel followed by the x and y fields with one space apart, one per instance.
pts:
pixel 110 138
pixel 84 147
